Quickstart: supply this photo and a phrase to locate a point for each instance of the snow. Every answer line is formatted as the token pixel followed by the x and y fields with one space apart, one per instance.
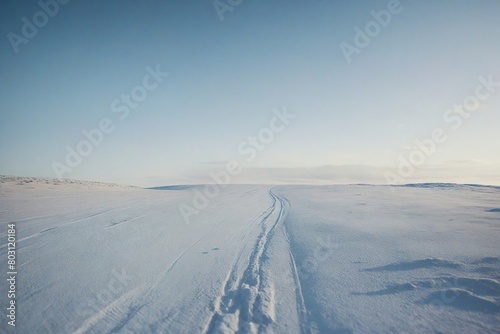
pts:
pixel 99 258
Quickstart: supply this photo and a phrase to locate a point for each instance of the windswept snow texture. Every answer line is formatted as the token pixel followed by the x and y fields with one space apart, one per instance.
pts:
pixel 94 258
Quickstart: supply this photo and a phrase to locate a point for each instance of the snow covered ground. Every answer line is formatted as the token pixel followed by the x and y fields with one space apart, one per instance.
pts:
pixel 98 258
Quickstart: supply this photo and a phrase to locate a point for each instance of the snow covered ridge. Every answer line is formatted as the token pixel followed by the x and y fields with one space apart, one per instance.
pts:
pixel 258 259
pixel 444 185
pixel 8 180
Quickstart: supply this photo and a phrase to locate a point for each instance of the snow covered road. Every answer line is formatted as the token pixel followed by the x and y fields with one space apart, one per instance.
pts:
pixel 92 258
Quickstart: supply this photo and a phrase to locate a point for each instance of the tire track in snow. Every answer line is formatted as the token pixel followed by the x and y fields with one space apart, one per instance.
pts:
pixel 112 310
pixel 120 312
pixel 148 292
pixel 121 207
pixel 301 305
pixel 142 296
pixel 247 304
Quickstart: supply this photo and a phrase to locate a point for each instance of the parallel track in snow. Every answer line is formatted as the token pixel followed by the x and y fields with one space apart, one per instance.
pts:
pixel 247 303
pixel 301 306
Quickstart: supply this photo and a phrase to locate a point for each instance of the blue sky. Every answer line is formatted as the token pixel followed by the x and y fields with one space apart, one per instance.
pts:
pixel 226 77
